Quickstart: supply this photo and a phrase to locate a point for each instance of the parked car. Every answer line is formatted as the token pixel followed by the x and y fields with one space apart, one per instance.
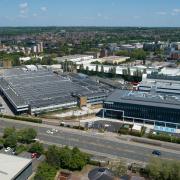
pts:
pixel 54 130
pixel 35 155
pixel 8 149
pixel 156 152
pixel 49 132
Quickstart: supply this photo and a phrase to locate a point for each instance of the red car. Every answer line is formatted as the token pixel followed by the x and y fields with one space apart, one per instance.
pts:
pixel 34 155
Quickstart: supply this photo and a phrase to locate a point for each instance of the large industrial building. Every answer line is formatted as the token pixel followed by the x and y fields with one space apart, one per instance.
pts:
pixel 14 168
pixel 33 90
pixel 162 83
pixel 147 107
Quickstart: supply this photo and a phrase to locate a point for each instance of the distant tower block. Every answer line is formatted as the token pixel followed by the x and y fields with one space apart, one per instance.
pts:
pixel 41 46
pixel 7 64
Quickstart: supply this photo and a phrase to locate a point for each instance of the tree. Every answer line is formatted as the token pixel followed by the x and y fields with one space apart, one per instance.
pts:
pixel 37 148
pixel 159 169
pixel 10 141
pixel 66 158
pixel 96 67
pixel 53 156
pixel 8 132
pixel 119 168
pixel 102 69
pixel 45 172
pixel 27 135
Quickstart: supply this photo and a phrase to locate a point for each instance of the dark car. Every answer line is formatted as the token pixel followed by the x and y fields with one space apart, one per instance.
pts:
pixel 156 152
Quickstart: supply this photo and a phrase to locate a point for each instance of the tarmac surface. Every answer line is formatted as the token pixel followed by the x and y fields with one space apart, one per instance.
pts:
pixel 93 142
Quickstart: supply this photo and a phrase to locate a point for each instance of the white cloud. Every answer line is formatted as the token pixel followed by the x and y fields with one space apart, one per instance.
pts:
pixel 23 8
pixel 161 13
pixel 176 10
pixel 23 5
pixel 44 8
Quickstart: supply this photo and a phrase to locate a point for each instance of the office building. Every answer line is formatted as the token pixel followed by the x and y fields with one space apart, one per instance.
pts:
pixel 145 107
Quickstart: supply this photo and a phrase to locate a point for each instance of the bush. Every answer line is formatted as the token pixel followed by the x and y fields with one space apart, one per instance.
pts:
pixel 21 118
pixel 45 172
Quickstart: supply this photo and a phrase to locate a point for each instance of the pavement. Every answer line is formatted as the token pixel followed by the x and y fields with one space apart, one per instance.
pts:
pixel 108 144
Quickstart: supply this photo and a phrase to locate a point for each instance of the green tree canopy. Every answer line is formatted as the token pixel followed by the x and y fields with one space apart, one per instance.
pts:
pixel 10 141
pixel 37 148
pixel 160 169
pixel 27 135
pixel 8 132
pixel 45 172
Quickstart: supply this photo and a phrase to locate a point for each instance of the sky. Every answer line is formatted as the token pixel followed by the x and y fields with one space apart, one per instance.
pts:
pixel 149 13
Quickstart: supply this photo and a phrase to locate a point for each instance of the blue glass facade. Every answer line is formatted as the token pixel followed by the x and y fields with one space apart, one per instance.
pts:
pixel 142 112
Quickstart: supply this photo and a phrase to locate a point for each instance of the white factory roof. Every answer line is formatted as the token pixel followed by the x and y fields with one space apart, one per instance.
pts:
pixel 11 165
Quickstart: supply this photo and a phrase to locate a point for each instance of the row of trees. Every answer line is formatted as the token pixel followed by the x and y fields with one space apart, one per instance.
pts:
pixel 126 75
pixel 11 136
pixel 139 54
pixel 47 60
pixel 13 57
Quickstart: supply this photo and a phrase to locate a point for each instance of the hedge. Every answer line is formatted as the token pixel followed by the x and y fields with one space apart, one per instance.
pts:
pixel 164 137
pixel 21 118
pixel 124 131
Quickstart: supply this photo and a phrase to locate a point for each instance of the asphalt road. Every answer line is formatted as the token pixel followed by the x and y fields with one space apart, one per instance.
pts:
pixel 93 142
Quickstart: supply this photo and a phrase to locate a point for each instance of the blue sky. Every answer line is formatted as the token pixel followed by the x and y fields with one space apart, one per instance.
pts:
pixel 90 13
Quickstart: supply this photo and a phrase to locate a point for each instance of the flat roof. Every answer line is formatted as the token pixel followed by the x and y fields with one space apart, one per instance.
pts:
pixel 145 98
pixel 10 166
pixel 43 88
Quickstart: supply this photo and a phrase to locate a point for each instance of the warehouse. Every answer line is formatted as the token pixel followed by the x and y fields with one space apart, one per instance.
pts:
pixel 14 168
pixel 146 107
pixel 160 83
pixel 34 90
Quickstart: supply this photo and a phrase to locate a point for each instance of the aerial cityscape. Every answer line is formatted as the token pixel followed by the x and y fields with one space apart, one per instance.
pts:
pixel 89 90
